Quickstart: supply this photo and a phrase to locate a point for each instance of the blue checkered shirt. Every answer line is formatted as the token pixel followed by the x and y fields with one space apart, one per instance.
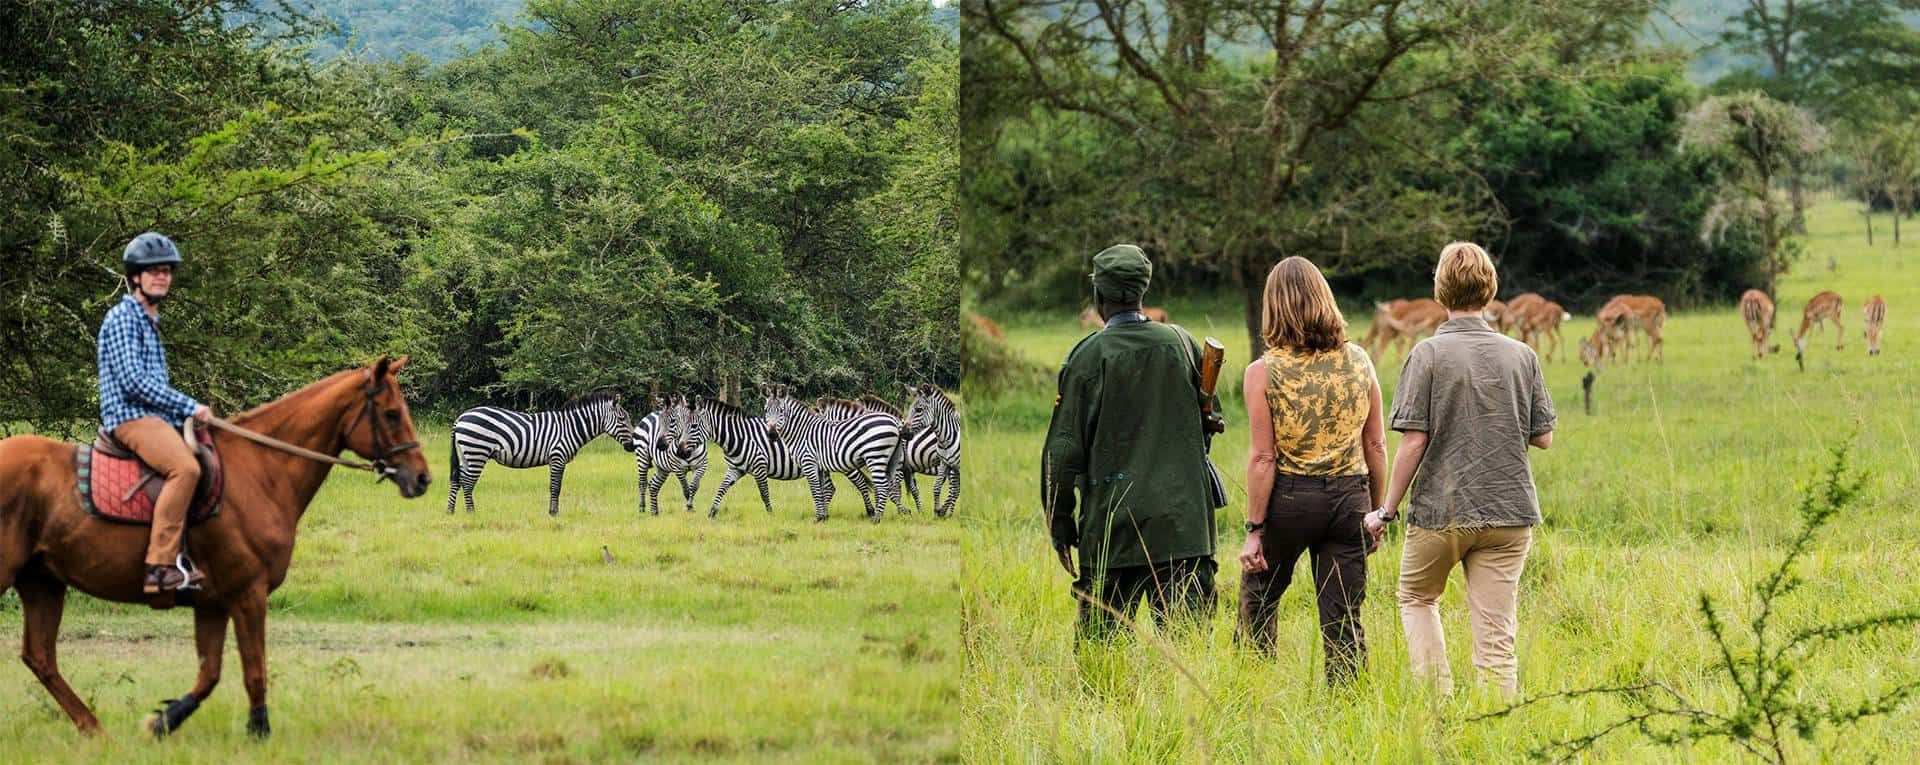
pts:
pixel 133 370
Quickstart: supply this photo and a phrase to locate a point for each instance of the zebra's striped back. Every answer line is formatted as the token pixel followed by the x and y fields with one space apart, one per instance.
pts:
pixel 522 440
pixel 744 441
pixel 835 445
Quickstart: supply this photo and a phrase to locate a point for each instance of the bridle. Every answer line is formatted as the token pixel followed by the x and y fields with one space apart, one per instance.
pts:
pixel 383 445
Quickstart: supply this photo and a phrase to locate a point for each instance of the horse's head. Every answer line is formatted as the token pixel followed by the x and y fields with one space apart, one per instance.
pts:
pixel 382 429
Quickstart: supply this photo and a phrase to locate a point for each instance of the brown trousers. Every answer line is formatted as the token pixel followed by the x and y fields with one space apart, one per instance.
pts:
pixel 162 448
pixel 1321 516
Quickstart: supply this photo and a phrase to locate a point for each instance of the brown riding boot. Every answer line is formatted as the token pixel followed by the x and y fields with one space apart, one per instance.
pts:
pixel 163 577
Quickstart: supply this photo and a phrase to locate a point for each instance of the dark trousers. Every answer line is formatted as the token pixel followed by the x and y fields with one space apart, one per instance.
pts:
pixel 1322 516
pixel 1178 592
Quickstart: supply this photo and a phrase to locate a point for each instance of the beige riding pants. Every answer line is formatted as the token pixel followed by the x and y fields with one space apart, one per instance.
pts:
pixel 1491 559
pixel 161 447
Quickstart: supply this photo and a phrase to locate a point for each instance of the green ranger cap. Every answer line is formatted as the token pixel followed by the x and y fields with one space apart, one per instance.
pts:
pixel 1121 273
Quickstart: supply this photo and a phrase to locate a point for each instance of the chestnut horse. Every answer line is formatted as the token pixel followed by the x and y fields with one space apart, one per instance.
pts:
pixel 48 543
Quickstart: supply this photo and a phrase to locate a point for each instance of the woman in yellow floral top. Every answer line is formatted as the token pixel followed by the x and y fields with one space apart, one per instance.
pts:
pixel 1318 462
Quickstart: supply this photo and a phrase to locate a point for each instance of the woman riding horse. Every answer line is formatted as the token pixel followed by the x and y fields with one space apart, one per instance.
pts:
pixel 48 542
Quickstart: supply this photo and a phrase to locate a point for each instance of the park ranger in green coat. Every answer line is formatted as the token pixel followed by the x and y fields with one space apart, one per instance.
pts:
pixel 1127 436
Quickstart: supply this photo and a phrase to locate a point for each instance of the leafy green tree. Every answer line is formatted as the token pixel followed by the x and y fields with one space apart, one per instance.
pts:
pixel 1225 135
pixel 1761 140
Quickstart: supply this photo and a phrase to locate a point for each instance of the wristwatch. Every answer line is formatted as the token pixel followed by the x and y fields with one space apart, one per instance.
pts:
pixel 1253 527
pixel 1386 516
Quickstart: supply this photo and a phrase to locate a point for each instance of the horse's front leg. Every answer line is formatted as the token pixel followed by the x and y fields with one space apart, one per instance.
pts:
pixel 209 640
pixel 250 631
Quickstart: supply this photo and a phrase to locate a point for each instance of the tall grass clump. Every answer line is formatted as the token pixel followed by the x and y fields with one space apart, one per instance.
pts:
pixel 1763 666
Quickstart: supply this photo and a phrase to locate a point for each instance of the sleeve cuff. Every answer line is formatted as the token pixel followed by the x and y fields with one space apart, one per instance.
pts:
pixel 1404 424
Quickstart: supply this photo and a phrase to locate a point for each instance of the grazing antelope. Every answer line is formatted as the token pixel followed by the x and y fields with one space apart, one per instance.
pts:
pixel 1407 322
pixel 1516 308
pixel 1757 309
pixel 1381 329
pixel 988 326
pixel 1494 312
pixel 1613 330
pixel 1539 321
pixel 1820 309
pixel 1876 315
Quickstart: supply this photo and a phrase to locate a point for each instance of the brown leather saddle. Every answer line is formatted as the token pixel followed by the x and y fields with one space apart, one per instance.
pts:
pixel 116 486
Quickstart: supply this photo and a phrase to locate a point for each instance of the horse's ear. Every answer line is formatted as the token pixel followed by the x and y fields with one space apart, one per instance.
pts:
pixel 397 365
pixel 380 368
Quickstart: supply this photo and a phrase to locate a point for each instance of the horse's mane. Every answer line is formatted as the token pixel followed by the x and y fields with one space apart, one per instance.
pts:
pixel 878 404
pixel 305 392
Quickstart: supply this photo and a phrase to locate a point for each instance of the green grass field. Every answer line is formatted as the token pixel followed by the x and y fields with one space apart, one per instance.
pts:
pixel 1682 481
pixel 404 634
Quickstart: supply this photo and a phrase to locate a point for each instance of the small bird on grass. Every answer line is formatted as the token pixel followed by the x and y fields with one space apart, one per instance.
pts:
pixel 606 556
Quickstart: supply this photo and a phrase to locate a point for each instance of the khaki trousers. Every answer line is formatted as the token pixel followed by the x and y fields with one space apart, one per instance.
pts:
pixel 1491 559
pixel 161 447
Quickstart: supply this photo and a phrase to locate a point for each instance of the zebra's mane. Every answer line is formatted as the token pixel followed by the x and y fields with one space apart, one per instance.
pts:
pixel 942 393
pixel 723 408
pixel 878 404
pixel 592 399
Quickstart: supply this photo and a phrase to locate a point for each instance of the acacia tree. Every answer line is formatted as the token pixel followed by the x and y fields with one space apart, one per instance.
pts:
pixel 1762 140
pixel 1247 131
pixel 1898 147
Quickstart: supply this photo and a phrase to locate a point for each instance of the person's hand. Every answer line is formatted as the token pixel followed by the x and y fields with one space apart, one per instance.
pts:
pixel 202 413
pixel 1376 529
pixel 1253 558
pixel 1066 559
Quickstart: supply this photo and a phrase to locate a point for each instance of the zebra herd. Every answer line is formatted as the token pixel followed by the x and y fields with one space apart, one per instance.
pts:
pixel 869 440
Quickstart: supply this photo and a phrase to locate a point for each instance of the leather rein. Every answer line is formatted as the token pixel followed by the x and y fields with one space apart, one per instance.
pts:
pixel 378 466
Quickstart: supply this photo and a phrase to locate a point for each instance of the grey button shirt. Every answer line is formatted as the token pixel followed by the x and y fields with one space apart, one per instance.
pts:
pixel 1478 395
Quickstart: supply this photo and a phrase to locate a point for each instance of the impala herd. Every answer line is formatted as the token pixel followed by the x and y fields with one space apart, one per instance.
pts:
pixel 1536 321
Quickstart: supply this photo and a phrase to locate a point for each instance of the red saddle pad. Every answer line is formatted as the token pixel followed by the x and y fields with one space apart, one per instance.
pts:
pixel 124 490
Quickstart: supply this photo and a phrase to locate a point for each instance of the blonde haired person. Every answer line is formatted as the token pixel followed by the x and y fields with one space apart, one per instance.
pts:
pixel 1317 462
pixel 1469 403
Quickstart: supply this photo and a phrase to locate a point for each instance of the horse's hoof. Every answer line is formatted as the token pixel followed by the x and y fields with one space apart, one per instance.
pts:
pixel 257 726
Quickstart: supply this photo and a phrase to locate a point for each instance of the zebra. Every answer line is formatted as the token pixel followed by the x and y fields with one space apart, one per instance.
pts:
pixel 823 446
pixel 932 432
pixel 748 447
pixel 671 440
pixel 522 440
pixel 835 408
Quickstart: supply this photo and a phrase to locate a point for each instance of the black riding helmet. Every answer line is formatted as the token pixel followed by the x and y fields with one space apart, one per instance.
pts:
pixel 147 250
